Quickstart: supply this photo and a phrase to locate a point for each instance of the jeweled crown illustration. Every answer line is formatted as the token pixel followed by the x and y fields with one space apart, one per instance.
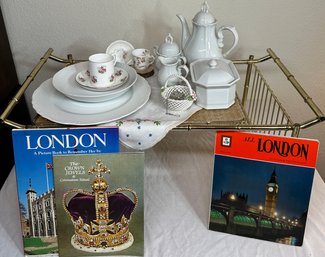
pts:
pixel 100 218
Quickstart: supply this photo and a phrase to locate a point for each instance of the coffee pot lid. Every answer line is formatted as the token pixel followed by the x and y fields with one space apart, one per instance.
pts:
pixel 204 17
pixel 169 47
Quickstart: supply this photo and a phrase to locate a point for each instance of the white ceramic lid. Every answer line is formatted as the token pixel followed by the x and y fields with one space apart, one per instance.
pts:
pixel 204 17
pixel 169 47
pixel 213 72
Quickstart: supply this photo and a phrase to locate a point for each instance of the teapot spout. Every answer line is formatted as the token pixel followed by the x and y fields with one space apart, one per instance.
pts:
pixel 185 30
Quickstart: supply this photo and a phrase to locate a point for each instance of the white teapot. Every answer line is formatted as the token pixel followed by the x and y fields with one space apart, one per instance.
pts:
pixel 205 41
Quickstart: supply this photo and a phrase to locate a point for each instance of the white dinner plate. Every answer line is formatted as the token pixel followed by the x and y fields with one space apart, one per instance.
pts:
pixel 58 108
pixel 65 82
pixel 77 107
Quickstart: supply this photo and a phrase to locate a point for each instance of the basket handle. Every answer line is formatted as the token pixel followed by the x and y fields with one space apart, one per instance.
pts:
pixel 192 93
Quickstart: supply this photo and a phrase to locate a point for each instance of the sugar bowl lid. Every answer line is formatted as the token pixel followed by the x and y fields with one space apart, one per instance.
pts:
pixel 213 72
pixel 169 48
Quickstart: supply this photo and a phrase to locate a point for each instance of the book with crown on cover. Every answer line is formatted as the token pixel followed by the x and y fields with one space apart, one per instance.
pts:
pixel 100 209
pixel 33 150
pixel 262 185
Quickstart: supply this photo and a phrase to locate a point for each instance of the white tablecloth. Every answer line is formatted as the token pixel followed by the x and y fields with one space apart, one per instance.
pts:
pixel 178 174
pixel 140 133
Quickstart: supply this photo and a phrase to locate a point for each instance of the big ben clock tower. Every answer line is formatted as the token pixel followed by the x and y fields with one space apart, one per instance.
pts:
pixel 272 189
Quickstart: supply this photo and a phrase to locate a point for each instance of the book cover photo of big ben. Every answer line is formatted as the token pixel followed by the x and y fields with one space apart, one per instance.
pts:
pixel 262 185
pixel 99 201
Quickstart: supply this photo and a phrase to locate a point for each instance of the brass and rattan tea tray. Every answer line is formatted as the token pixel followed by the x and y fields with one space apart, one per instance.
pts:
pixel 257 107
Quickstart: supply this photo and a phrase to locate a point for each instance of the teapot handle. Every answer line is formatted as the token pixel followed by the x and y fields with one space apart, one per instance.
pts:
pixel 220 38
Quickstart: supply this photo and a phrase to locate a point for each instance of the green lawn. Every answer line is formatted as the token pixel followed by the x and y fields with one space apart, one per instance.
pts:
pixel 35 245
pixel 43 251
pixel 34 242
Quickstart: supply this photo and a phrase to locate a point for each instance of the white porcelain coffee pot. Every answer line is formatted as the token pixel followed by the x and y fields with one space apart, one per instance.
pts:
pixel 205 41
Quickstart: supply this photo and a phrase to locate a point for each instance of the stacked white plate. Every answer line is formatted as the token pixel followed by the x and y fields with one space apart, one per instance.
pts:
pixel 63 100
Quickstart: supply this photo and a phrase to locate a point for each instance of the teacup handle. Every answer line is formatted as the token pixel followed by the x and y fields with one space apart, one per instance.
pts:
pixel 151 59
pixel 184 68
pixel 220 38
pixel 114 59
pixel 155 50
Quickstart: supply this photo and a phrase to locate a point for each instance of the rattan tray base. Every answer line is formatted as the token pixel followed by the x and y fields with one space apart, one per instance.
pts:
pixel 232 115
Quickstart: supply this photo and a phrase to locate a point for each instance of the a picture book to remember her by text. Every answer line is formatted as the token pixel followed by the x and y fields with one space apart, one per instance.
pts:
pixel 33 150
pixel 100 209
pixel 262 185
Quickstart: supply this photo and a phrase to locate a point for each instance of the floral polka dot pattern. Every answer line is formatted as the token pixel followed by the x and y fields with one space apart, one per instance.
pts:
pixel 150 124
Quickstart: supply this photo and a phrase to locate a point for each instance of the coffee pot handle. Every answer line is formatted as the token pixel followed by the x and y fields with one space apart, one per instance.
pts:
pixel 220 38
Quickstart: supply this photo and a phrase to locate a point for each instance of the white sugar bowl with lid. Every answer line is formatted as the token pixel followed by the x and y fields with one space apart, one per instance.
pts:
pixel 215 82
pixel 169 49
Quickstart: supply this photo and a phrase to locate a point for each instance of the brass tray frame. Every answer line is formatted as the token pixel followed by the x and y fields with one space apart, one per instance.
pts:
pixel 258 109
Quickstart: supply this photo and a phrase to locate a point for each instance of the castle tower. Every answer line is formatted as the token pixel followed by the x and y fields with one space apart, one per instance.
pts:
pixel 31 196
pixel 272 189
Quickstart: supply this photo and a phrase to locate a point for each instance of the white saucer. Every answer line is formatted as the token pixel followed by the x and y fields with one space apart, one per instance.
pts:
pixel 65 82
pixel 121 45
pixel 118 79
pixel 58 108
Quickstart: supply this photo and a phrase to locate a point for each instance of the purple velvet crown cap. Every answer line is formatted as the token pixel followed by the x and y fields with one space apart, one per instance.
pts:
pixel 83 206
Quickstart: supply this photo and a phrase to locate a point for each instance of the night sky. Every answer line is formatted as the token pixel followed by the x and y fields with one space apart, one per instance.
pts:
pixel 250 177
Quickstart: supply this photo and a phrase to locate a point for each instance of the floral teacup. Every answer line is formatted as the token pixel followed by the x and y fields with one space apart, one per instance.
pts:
pixel 142 58
pixel 101 69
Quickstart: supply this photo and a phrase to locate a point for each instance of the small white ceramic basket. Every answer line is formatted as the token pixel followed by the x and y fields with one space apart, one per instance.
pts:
pixel 178 97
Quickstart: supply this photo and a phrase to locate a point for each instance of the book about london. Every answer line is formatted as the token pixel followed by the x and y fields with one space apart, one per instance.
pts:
pixel 100 209
pixel 261 185
pixel 33 151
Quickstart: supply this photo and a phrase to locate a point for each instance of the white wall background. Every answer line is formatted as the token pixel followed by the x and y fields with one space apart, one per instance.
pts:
pixel 294 29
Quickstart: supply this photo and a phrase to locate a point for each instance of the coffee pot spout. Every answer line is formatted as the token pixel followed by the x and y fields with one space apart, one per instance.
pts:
pixel 185 31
